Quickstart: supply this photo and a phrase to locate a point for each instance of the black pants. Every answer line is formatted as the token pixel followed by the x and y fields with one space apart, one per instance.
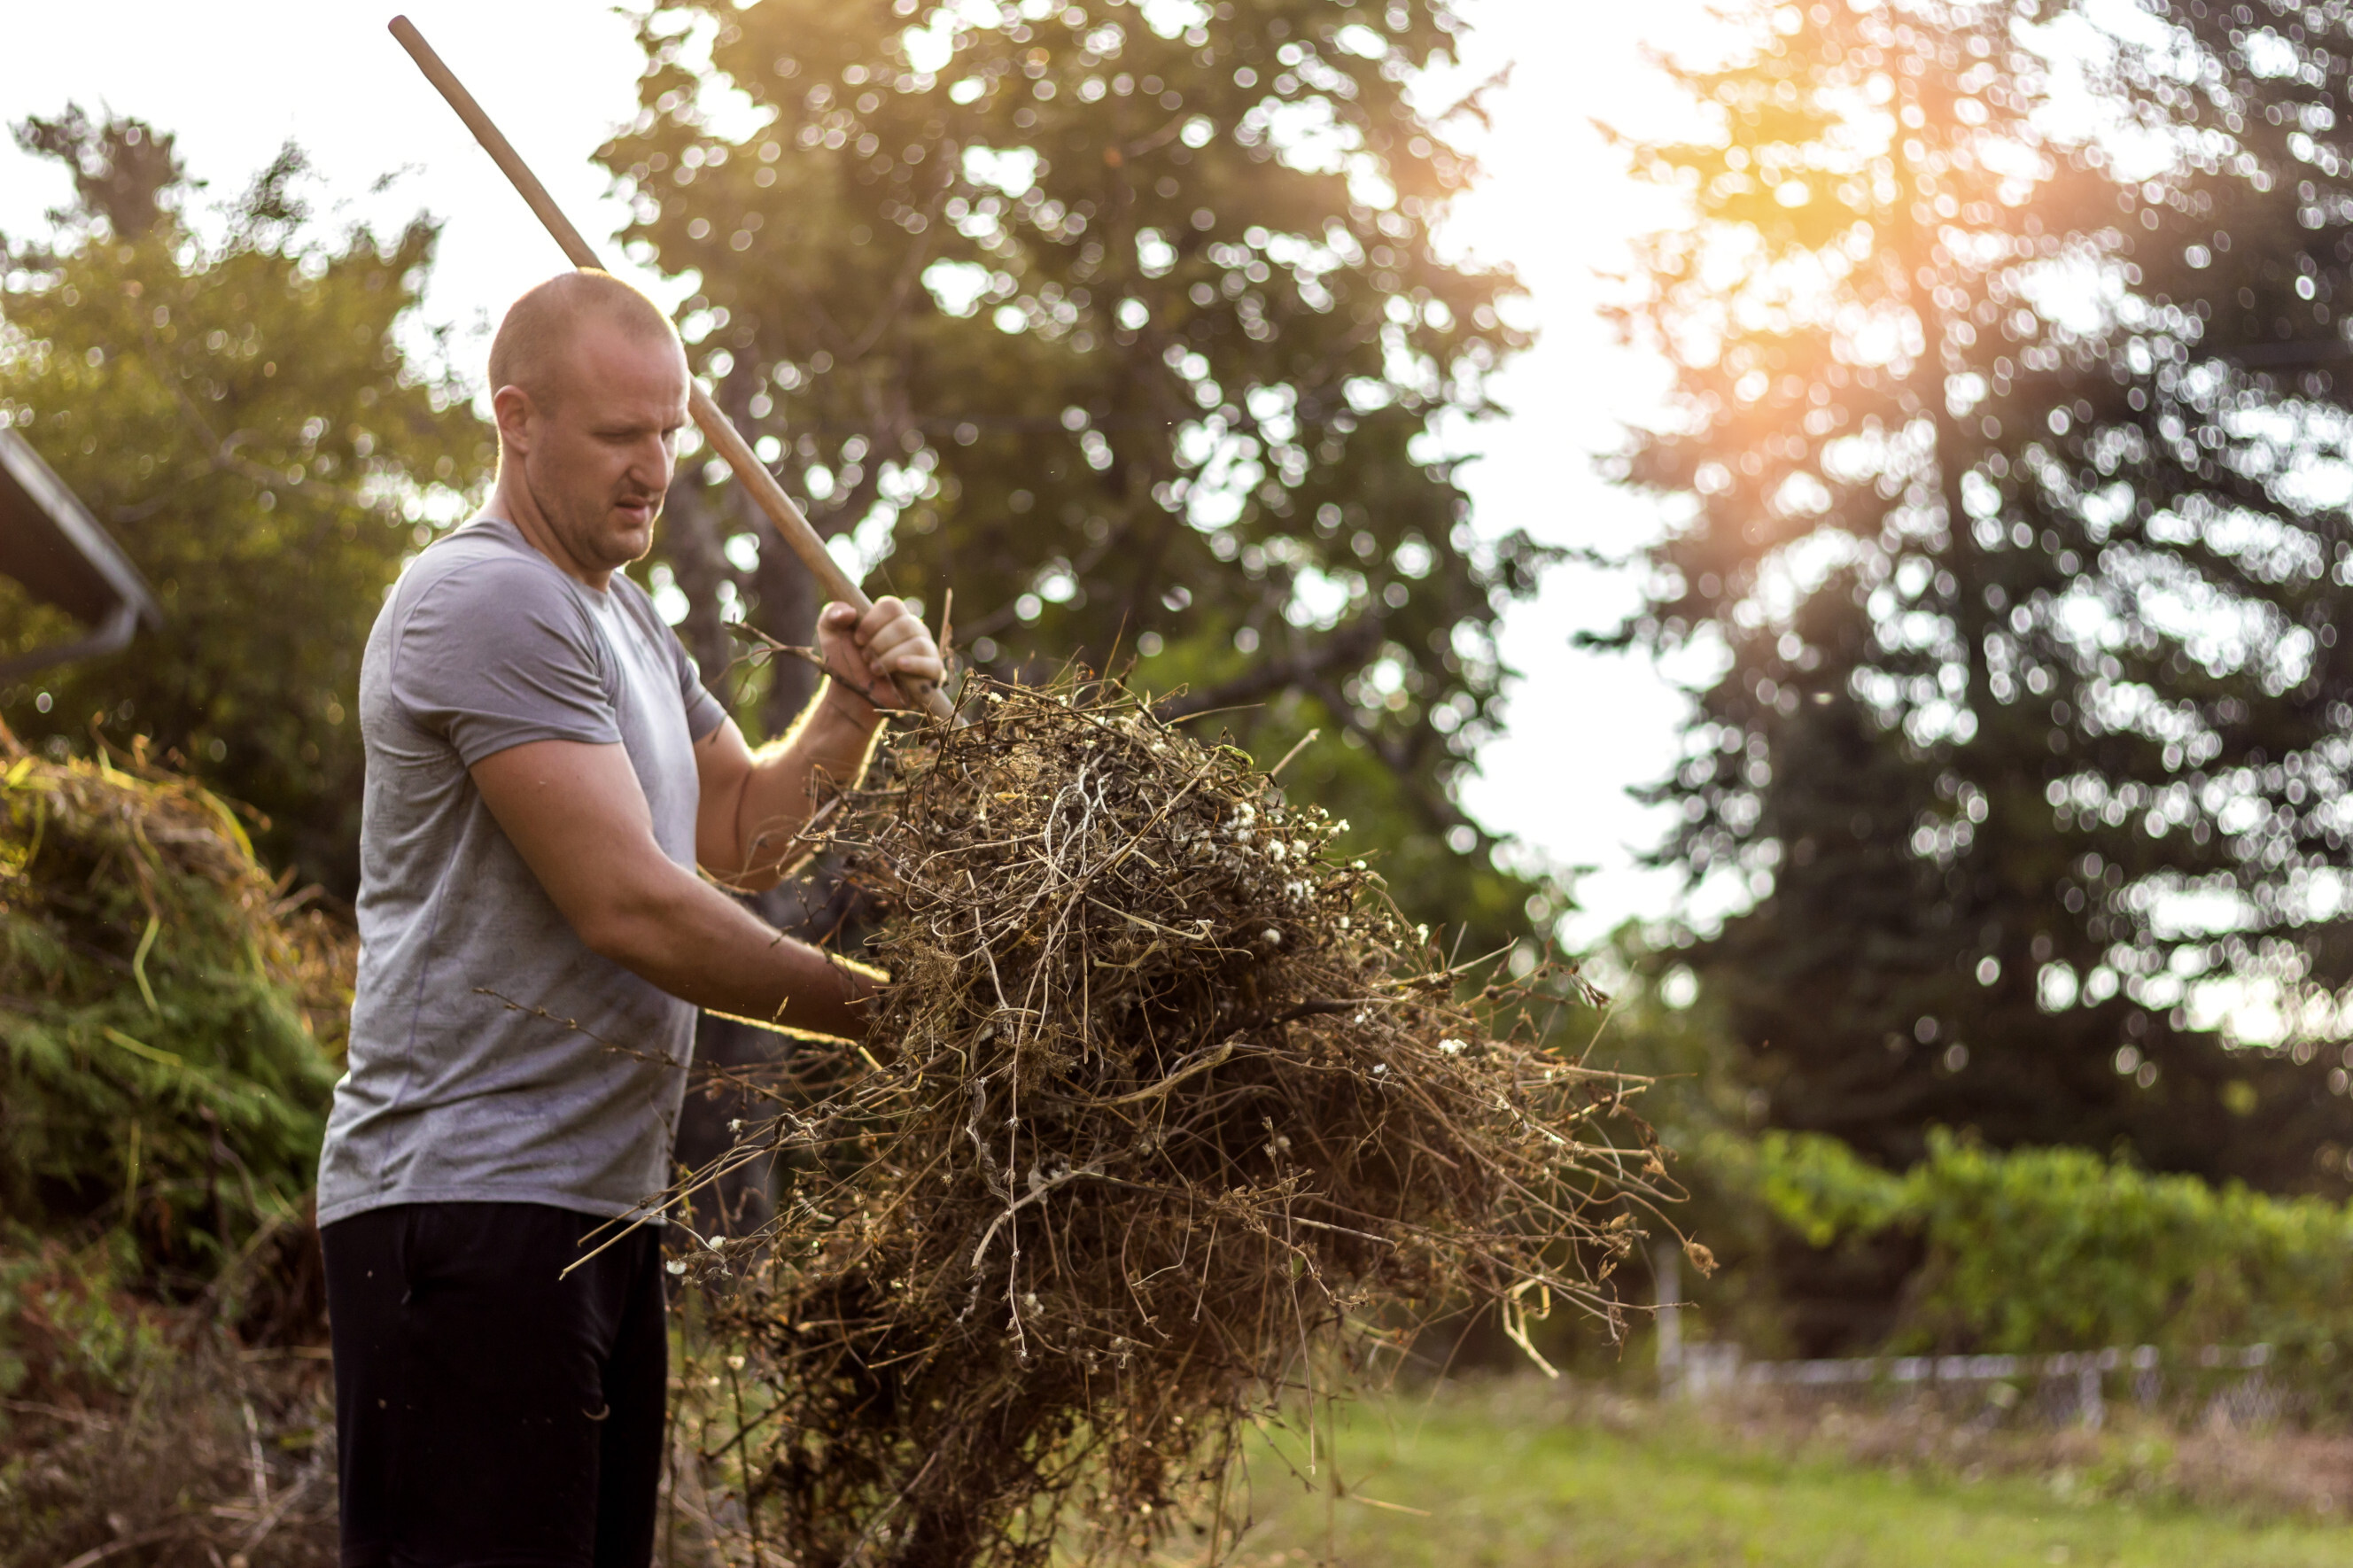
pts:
pixel 489 1414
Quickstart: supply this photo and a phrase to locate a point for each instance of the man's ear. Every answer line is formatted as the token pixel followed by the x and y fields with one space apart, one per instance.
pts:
pixel 512 409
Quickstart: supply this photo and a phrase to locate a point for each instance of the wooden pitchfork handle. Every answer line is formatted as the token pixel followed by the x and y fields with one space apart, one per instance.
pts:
pixel 717 428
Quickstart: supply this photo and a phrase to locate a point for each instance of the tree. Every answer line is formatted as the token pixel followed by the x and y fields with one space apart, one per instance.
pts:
pixel 2008 419
pixel 1124 322
pixel 241 417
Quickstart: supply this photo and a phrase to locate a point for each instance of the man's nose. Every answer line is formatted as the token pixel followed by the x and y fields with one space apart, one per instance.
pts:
pixel 653 464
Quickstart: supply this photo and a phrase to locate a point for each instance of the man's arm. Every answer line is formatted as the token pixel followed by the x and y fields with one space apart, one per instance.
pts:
pixel 577 816
pixel 754 805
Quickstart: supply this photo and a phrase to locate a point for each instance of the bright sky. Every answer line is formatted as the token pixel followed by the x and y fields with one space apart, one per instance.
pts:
pixel 236 79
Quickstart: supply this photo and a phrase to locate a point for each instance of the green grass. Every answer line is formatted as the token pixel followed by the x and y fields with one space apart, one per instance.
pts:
pixel 1510 1485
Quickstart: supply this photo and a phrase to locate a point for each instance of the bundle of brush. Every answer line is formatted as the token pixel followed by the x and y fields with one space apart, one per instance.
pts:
pixel 1163 1105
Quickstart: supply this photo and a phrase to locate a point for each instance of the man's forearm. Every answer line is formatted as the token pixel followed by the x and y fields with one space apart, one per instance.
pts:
pixel 699 944
pixel 833 740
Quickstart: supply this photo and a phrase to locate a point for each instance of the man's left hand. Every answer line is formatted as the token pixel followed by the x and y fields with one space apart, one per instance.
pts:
pixel 884 657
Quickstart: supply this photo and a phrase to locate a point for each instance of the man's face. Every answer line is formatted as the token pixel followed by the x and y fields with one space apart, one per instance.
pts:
pixel 598 461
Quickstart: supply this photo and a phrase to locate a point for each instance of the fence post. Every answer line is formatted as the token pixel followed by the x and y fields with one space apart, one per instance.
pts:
pixel 1666 1273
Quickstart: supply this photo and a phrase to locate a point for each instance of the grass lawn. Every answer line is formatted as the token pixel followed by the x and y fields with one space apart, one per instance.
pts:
pixel 1509 1482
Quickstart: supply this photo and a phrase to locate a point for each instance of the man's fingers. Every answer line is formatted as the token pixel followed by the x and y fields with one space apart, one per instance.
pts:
pixel 904 632
pixel 913 665
pixel 889 607
pixel 838 624
pixel 905 664
pixel 898 640
pixel 896 652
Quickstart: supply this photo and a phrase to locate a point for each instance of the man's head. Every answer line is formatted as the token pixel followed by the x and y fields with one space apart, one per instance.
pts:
pixel 589 383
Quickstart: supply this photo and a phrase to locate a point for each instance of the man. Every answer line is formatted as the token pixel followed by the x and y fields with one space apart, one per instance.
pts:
pixel 544 771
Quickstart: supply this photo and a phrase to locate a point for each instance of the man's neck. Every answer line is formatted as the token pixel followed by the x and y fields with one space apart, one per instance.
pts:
pixel 511 498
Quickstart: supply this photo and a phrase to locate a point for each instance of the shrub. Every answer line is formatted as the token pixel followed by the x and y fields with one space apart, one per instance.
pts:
pixel 167 1019
pixel 2058 1250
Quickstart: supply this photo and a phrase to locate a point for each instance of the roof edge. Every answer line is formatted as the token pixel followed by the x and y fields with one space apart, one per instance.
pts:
pixel 82 530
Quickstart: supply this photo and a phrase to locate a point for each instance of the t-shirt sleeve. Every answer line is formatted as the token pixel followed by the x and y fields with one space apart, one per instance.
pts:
pixel 496 654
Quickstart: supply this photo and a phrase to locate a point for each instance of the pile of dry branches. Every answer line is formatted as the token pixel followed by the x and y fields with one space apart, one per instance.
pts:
pixel 1167 1114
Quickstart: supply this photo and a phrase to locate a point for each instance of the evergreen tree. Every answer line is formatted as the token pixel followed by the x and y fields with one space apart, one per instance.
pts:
pixel 1123 323
pixel 2011 453
pixel 241 418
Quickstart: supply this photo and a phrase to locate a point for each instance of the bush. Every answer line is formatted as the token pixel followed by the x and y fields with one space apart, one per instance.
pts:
pixel 2058 1250
pixel 168 1022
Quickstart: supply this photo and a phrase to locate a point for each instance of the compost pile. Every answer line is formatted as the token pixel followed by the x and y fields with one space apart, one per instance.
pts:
pixel 168 1012
pixel 1166 1117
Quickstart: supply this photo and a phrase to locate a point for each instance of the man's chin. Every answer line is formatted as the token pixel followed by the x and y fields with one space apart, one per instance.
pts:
pixel 627 542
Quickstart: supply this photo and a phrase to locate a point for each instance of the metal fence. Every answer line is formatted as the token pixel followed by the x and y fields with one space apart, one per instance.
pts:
pixel 2071 1386
pixel 2228 1383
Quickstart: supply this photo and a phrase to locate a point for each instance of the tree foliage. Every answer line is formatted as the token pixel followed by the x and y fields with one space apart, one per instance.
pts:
pixel 238 415
pixel 2009 451
pixel 1124 324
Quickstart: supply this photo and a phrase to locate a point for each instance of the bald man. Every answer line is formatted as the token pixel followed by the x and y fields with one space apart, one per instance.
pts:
pixel 544 774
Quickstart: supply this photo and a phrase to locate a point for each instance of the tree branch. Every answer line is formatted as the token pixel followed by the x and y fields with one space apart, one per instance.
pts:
pixel 1350 646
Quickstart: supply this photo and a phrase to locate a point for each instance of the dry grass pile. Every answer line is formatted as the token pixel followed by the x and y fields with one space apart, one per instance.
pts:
pixel 1167 1117
pixel 168 1018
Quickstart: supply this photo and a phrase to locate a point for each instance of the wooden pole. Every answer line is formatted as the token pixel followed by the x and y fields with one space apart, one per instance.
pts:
pixel 717 428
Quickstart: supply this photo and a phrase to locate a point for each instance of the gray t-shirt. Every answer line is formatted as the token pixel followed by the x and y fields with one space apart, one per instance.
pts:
pixel 452 1095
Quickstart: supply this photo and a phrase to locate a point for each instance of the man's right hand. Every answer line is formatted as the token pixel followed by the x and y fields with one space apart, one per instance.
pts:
pixel 578 818
pixel 880 657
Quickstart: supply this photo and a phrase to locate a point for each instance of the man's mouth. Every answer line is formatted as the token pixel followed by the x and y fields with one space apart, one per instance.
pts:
pixel 639 512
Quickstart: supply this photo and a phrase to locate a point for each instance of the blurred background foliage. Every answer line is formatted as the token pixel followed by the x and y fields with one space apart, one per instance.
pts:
pixel 1818 1251
pixel 240 417
pixel 2007 477
pixel 2055 1249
